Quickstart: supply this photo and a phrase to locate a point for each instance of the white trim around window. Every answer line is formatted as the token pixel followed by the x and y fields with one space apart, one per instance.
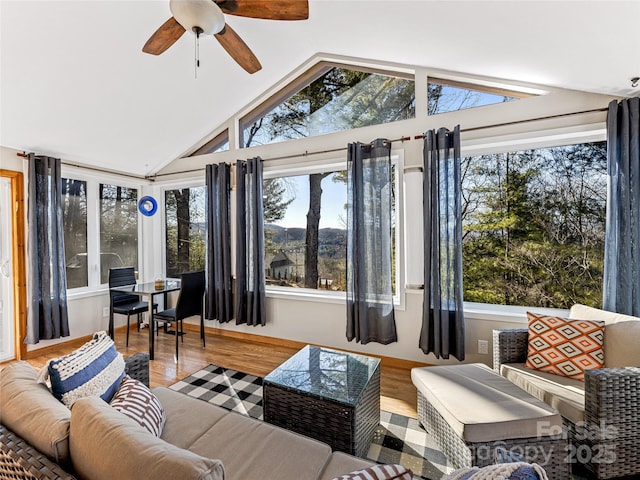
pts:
pixel 93 180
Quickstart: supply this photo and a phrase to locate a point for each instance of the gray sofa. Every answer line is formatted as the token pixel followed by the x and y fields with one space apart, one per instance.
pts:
pixel 601 413
pixel 41 438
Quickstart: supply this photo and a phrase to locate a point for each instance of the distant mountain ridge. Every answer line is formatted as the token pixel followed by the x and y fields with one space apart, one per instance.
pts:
pixel 326 236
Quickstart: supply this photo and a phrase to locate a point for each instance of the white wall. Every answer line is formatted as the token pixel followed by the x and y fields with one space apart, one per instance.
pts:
pixel 9 160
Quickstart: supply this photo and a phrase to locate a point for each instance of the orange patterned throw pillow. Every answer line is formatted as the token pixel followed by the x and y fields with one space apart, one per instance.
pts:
pixel 564 347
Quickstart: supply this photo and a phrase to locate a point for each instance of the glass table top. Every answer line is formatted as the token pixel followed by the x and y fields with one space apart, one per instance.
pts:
pixel 326 373
pixel 146 288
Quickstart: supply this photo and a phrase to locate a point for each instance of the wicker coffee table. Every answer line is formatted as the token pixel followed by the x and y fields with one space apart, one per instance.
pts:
pixel 328 395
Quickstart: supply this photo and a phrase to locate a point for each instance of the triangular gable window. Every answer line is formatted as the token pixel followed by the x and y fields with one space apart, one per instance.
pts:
pixel 449 96
pixel 330 98
pixel 219 143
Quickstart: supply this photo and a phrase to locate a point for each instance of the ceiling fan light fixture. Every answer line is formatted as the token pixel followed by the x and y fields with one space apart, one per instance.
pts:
pixel 202 15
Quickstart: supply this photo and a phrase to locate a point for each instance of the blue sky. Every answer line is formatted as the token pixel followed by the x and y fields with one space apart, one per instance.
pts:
pixel 334 197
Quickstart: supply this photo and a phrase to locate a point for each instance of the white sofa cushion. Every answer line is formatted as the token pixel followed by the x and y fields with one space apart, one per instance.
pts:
pixel 564 394
pixel 621 347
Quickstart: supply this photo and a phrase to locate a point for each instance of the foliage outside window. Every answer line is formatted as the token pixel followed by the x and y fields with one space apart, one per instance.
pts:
pixel 74 218
pixel 118 228
pixel 448 96
pixel 533 226
pixel 340 99
pixel 186 230
pixel 305 231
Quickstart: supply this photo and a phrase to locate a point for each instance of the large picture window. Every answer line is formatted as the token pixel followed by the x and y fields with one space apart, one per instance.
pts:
pixel 186 230
pixel 74 219
pixel 115 224
pixel 533 226
pixel 305 232
pixel 118 228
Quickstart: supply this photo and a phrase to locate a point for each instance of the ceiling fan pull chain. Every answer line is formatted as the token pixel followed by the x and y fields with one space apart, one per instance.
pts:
pixel 197 31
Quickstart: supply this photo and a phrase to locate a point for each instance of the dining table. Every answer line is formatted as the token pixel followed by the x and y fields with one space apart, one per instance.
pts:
pixel 149 290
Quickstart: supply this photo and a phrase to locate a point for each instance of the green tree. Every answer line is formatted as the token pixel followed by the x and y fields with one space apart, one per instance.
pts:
pixel 185 230
pixel 534 226
pixel 340 99
pixel 275 199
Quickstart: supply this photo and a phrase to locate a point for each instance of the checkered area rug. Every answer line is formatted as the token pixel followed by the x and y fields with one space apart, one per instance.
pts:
pixel 398 439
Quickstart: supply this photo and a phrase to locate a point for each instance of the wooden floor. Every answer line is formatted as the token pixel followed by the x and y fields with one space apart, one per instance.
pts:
pixel 248 353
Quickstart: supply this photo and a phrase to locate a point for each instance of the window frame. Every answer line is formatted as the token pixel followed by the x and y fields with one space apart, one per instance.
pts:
pixel 554 137
pixel 334 164
pixel 302 81
pixel 210 146
pixel 93 225
pixel 162 213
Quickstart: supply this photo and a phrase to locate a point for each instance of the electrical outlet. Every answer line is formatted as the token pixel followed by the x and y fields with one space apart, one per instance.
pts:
pixel 483 347
pixel 105 311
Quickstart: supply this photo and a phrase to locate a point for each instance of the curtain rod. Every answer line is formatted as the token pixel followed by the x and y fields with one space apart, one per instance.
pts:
pixel 517 122
pixel 95 169
pixel 306 153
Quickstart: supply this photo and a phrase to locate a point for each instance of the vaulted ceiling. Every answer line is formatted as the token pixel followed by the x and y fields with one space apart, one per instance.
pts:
pixel 75 83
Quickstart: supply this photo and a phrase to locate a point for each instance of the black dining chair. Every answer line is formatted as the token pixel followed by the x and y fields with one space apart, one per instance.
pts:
pixel 190 303
pixel 123 303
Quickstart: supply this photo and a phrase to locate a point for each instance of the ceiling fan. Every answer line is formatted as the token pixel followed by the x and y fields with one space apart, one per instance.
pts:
pixel 207 17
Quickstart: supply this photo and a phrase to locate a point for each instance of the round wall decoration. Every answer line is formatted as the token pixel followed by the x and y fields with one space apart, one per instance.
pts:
pixel 147 205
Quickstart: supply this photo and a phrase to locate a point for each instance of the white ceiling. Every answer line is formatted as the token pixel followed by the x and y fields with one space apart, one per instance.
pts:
pixel 75 84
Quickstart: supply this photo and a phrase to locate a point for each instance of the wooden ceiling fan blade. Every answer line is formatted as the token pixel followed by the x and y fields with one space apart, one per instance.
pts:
pixel 164 37
pixel 267 9
pixel 238 50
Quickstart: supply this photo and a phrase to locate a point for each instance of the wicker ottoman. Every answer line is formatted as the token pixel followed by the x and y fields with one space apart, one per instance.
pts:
pixel 328 395
pixel 470 411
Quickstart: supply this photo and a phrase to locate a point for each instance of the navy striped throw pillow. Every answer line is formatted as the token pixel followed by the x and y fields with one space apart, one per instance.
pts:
pixel 95 369
pixel 139 403
pixel 379 472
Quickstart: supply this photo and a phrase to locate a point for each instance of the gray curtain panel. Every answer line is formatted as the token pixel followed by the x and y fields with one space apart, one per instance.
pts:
pixel 370 205
pixel 218 293
pixel 621 288
pixel 442 317
pixel 250 281
pixel 47 312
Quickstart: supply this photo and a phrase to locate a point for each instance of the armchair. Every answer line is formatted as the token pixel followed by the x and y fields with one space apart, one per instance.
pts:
pixel 607 440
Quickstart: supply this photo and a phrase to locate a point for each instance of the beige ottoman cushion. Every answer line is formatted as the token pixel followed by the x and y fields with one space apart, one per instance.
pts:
pixel 482 406
pixel 30 410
